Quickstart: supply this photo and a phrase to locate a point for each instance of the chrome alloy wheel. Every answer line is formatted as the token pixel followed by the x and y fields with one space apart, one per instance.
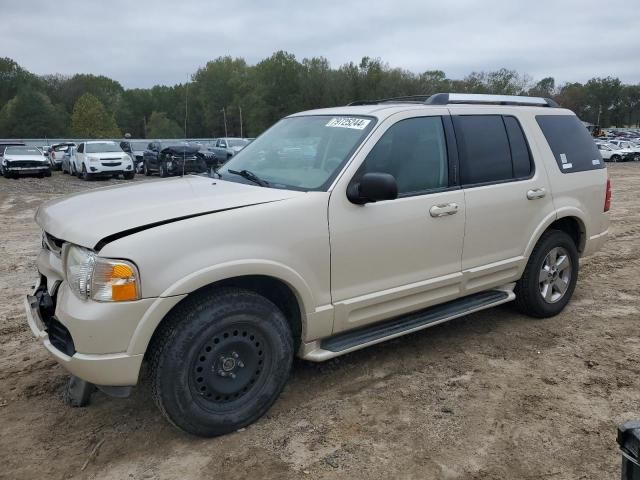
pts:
pixel 555 275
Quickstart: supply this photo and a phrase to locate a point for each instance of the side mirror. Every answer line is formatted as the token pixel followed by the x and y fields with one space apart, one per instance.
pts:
pixel 373 187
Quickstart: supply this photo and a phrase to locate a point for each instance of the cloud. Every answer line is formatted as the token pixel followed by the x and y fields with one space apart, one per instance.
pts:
pixel 142 43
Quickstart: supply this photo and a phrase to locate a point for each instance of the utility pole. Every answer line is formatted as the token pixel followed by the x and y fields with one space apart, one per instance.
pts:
pixel 224 114
pixel 241 136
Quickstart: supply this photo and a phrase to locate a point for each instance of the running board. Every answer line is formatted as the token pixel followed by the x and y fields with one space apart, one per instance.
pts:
pixel 379 332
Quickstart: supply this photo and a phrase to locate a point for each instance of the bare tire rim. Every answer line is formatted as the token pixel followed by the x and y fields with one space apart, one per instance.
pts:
pixel 229 366
pixel 555 275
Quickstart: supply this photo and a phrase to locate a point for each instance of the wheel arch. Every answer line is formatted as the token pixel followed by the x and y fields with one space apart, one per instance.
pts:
pixel 571 221
pixel 292 297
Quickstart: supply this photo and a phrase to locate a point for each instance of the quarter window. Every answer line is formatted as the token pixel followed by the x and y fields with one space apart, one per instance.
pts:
pixel 571 144
pixel 413 151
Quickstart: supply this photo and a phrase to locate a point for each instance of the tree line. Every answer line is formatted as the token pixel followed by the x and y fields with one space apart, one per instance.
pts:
pixel 252 97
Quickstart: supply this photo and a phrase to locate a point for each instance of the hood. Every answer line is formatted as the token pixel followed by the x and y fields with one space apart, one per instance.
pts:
pixel 25 158
pixel 92 218
pixel 180 150
pixel 238 148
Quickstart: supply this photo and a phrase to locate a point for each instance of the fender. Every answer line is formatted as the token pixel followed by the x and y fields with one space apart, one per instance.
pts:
pixel 554 216
pixel 201 278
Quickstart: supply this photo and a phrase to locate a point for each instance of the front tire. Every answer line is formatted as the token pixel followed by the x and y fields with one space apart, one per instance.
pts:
pixel 146 170
pixel 615 158
pixel 163 170
pixel 220 360
pixel 550 277
pixel 86 176
pixel 128 175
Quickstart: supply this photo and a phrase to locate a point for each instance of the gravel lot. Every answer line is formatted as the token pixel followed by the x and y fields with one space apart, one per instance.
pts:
pixel 494 395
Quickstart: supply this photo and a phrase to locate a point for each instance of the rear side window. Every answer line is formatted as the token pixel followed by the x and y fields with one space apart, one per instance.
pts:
pixel 492 149
pixel 520 156
pixel 570 142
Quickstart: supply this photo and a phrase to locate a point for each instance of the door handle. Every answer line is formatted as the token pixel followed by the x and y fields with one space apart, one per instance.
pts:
pixel 535 193
pixel 443 210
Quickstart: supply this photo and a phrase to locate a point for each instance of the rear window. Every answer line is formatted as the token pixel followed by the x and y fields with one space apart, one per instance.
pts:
pixel 570 142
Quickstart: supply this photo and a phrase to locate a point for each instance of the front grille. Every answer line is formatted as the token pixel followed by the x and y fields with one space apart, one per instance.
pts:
pixel 25 164
pixel 111 164
pixel 110 159
pixel 59 336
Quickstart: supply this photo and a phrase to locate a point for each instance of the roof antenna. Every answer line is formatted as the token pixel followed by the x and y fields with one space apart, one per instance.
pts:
pixel 186 110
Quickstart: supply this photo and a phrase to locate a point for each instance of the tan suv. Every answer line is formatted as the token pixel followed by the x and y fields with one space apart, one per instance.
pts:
pixel 334 230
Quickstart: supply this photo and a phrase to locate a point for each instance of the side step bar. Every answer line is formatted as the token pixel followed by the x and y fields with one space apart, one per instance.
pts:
pixel 379 332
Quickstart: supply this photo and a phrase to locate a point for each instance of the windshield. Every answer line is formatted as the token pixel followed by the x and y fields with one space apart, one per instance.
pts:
pixel 236 142
pixel 22 151
pixel 302 153
pixel 61 148
pixel 101 147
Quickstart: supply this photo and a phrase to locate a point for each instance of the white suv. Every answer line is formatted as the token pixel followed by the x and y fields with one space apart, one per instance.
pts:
pixel 101 158
pixel 334 230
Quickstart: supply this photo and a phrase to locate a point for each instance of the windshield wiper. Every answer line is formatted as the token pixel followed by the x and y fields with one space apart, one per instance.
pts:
pixel 249 175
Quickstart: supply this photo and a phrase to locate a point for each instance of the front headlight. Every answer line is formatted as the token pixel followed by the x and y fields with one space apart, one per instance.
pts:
pixel 94 159
pixel 102 279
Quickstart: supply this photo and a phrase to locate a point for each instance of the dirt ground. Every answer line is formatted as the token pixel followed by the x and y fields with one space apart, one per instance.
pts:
pixel 494 395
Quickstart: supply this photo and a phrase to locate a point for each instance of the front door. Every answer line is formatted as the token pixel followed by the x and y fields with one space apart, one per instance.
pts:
pixel 393 257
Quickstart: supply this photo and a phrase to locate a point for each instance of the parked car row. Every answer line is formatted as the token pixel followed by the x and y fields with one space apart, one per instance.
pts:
pixel 103 158
pixel 619 145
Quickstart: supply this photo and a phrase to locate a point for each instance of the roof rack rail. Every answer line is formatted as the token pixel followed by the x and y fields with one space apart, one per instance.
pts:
pixel 485 99
pixel 405 99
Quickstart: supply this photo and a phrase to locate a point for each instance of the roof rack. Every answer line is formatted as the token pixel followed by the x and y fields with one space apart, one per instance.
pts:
pixel 480 98
pixel 405 99
pixel 464 98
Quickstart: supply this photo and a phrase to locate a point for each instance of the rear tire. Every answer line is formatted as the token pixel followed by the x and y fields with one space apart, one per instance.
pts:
pixel 220 360
pixel 550 277
pixel 146 170
pixel 615 158
pixel 163 170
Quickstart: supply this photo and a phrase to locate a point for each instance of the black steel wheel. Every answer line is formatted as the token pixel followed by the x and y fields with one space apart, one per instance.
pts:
pixel 228 366
pixel 220 360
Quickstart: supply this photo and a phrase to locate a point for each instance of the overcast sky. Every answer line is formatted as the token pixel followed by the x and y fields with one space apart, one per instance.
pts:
pixel 141 43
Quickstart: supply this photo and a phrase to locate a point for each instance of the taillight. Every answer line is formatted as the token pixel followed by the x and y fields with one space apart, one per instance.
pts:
pixel 607 197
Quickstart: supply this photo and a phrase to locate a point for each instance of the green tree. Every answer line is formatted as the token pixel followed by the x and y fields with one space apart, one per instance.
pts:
pixel 31 114
pixel 108 91
pixel 133 111
pixel 159 126
pixel 13 78
pixel 90 119
pixel 544 88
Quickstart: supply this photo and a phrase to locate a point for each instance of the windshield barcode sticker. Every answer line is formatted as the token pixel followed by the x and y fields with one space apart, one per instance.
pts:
pixel 567 165
pixel 595 162
pixel 348 122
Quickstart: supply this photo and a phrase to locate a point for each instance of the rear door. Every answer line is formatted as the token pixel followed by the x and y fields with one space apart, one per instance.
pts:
pixel 507 196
